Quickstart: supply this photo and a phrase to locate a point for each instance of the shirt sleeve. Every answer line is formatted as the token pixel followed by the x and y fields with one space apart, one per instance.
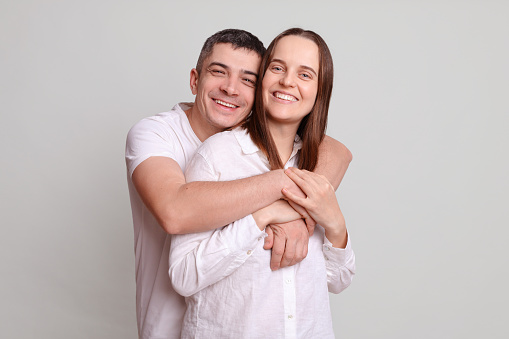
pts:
pixel 340 265
pixel 199 260
pixel 148 138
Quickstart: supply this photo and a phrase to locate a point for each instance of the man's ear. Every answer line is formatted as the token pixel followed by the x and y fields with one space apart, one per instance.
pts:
pixel 194 81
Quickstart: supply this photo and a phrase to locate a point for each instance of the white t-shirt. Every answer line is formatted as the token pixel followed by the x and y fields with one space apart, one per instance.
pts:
pixel 225 273
pixel 159 308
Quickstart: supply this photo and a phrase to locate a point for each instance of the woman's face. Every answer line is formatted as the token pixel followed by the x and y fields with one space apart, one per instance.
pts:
pixel 290 84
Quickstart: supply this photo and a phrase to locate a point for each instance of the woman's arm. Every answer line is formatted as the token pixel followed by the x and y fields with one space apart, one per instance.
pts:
pixel 199 260
pixel 340 266
pixel 323 207
pixel 320 202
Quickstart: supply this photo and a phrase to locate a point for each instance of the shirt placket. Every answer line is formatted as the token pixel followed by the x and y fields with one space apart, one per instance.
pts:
pixel 290 302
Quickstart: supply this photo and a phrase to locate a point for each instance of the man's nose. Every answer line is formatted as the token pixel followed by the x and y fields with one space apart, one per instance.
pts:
pixel 230 86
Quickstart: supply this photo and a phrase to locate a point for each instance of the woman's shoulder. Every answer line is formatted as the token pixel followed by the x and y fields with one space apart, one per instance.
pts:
pixel 223 139
pixel 220 143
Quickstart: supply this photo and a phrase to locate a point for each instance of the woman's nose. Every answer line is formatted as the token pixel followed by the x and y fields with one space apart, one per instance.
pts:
pixel 287 80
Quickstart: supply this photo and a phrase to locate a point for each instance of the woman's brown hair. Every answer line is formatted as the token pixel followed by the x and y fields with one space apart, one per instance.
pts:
pixel 312 127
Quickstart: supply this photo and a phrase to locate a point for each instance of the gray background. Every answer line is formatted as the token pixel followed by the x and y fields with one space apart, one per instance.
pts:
pixel 420 98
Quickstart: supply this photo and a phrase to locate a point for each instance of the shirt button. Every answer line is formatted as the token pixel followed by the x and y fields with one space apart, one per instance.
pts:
pixel 290 316
pixel 249 252
pixel 260 238
pixel 327 248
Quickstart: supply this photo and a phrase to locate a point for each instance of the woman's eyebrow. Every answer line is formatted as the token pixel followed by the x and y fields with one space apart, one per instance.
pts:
pixel 309 69
pixel 278 60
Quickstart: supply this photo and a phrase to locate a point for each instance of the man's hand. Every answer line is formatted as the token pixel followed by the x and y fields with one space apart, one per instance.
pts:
pixel 289 243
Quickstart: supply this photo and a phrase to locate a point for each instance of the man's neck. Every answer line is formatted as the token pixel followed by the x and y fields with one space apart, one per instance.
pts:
pixel 201 128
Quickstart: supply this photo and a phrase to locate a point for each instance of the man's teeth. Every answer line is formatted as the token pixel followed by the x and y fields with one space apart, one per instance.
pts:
pixel 225 103
pixel 285 97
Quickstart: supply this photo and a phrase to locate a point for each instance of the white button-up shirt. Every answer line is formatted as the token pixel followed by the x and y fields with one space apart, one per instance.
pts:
pixel 225 274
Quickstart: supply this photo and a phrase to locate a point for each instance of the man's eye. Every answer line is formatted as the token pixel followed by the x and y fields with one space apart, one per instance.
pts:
pixel 216 71
pixel 250 81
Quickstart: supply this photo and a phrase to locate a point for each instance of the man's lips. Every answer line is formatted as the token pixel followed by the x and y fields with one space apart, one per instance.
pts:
pixel 283 96
pixel 224 103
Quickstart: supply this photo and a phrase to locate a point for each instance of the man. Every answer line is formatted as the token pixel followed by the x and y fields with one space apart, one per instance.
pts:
pixel 157 151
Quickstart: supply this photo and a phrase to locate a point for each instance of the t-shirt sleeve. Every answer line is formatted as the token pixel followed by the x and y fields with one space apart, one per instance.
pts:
pixel 149 138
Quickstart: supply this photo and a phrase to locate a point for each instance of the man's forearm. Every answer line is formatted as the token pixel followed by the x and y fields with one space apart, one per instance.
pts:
pixel 182 207
pixel 200 206
pixel 205 205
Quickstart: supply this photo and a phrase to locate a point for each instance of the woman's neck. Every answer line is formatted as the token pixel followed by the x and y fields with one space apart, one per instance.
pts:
pixel 284 137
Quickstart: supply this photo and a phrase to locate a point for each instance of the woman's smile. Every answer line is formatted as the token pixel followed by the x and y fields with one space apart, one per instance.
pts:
pixel 290 84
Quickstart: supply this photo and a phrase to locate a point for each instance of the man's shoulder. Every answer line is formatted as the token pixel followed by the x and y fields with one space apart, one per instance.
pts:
pixel 166 134
pixel 162 119
pixel 164 124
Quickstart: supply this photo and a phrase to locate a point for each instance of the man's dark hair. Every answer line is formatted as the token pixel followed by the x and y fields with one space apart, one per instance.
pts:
pixel 237 37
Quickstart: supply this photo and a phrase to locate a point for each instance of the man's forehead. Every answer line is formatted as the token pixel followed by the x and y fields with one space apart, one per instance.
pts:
pixel 234 57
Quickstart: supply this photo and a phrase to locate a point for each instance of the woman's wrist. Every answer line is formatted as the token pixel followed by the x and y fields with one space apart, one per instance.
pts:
pixel 260 218
pixel 337 237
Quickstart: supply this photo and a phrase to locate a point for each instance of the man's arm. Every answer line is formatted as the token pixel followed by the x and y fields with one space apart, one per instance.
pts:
pixel 182 207
pixel 333 160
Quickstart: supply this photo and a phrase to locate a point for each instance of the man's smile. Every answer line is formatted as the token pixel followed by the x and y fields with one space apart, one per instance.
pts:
pixel 224 103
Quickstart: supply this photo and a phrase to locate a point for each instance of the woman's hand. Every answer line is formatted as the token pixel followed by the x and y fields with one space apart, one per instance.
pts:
pixel 281 212
pixel 320 203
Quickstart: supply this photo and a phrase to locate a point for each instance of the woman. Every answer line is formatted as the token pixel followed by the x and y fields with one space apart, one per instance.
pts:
pixel 224 274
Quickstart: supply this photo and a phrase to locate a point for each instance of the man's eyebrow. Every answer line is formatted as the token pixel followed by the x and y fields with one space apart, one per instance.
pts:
pixel 215 63
pixel 245 71
pixel 250 73
pixel 303 66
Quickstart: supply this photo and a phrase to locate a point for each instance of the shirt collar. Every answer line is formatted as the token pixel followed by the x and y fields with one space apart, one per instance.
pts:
pixel 248 146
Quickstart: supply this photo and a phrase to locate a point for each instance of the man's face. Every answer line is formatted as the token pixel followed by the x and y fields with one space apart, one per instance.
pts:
pixel 225 88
